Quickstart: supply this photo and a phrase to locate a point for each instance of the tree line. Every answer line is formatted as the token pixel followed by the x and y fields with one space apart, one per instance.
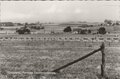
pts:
pixel 101 30
pixel 26 30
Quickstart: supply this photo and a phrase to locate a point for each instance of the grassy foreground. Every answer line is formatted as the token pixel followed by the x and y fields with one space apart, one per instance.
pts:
pixel 47 56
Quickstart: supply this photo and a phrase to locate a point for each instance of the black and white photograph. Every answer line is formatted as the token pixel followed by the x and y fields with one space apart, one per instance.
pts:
pixel 60 39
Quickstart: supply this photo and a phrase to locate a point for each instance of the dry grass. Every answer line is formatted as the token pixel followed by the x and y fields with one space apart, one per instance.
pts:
pixel 47 56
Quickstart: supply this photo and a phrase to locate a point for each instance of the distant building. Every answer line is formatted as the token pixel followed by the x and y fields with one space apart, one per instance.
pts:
pixel 6 24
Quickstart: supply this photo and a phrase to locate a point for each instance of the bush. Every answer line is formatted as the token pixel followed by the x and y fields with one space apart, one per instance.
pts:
pixel 23 31
pixel 102 30
pixel 67 29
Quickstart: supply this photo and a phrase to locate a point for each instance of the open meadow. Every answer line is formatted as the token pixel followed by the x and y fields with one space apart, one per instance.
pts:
pixel 46 56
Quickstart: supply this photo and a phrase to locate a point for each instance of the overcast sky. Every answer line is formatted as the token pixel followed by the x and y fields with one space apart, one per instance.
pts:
pixel 59 11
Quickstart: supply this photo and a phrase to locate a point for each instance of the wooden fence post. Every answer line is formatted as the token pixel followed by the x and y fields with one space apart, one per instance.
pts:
pixel 103 61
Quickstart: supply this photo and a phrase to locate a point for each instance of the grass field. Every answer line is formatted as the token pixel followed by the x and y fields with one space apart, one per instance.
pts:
pixel 47 56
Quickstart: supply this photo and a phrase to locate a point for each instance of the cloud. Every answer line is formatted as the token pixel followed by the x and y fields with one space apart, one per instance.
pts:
pixel 54 9
pixel 78 11
pixel 13 15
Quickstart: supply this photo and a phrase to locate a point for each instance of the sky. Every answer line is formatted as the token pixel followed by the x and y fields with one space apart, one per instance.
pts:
pixel 59 11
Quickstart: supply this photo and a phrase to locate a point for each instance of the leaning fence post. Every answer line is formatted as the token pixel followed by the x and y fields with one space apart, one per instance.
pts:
pixel 103 61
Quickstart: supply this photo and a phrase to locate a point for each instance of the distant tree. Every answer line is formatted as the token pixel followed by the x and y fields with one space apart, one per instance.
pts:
pixel 26 24
pixel 117 23
pixel 108 22
pixel 89 31
pixel 3 71
pixel 67 29
pixel 23 30
pixel 42 27
pixel 102 30
pixel 1 28
pixel 84 31
pixel 84 25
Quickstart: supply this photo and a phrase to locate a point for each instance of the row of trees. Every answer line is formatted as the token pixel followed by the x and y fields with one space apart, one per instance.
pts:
pixel 36 27
pixel 101 30
pixel 25 29
pixel 110 22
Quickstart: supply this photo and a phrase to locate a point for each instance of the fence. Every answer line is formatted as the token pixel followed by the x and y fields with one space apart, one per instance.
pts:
pixel 39 75
pixel 83 57
pixel 57 38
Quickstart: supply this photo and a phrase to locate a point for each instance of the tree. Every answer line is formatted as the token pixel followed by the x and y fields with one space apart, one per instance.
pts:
pixel 117 23
pixel 83 31
pixel 67 29
pixel 108 22
pixel 89 31
pixel 102 30
pixel 23 30
pixel 3 71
